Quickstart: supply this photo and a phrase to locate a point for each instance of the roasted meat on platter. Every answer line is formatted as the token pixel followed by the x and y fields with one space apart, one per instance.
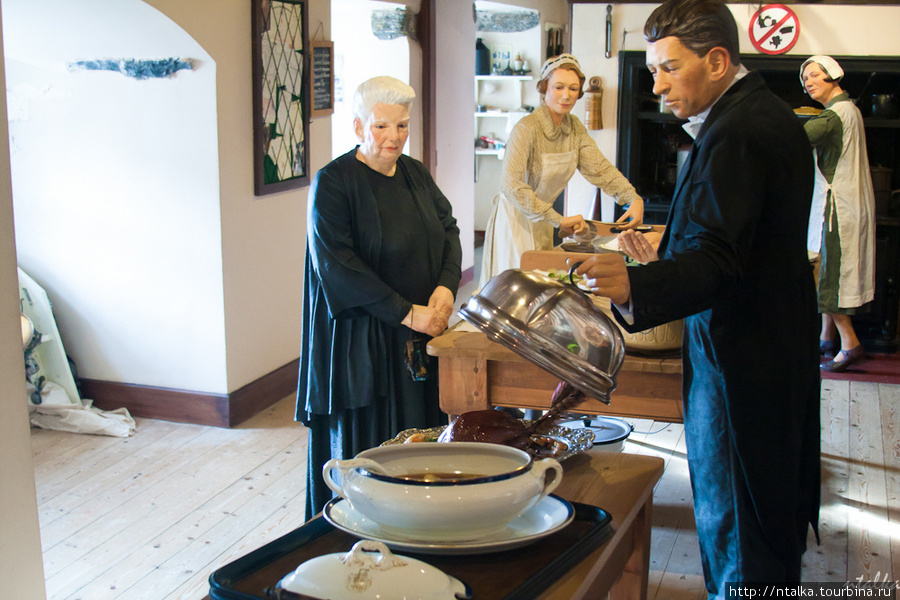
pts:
pixel 499 427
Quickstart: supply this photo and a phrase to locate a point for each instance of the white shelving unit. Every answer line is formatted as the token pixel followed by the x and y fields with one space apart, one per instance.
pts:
pixel 502 79
pixel 500 112
pixel 503 95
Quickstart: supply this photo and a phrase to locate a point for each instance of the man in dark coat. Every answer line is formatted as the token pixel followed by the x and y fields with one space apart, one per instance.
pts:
pixel 733 263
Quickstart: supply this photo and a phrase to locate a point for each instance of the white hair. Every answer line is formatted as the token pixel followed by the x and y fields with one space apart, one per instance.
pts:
pixel 384 89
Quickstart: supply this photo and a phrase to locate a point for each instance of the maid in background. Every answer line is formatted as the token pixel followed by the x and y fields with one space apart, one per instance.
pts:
pixel 842 218
pixel 544 150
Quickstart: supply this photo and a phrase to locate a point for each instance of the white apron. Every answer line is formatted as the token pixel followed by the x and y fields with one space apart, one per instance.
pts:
pixel 510 232
pixel 854 202
pixel 817 210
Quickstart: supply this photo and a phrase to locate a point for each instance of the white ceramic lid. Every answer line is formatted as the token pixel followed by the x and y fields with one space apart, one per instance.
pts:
pixel 371 572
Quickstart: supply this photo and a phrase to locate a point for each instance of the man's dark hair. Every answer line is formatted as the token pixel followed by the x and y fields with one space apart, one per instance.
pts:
pixel 700 26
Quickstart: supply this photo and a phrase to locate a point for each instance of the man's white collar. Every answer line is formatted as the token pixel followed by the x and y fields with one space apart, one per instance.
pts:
pixel 695 123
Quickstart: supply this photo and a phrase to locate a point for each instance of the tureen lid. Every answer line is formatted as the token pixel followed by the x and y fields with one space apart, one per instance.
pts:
pixel 370 571
pixel 553 325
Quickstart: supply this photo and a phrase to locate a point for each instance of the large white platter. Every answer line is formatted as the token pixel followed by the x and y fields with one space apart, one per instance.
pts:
pixel 548 516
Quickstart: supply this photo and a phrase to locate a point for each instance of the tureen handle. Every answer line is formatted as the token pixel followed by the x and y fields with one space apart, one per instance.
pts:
pixel 540 468
pixel 383 562
pixel 346 465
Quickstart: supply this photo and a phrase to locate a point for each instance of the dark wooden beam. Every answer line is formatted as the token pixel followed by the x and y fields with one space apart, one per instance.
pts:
pixel 426 29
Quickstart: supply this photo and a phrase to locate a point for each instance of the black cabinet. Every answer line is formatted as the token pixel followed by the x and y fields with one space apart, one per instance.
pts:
pixel 651 141
pixel 877 328
pixel 648 138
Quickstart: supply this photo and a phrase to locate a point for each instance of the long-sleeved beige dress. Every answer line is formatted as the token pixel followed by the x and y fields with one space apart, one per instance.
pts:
pixel 540 160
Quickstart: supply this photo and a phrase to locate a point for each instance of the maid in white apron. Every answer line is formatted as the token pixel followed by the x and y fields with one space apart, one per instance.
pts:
pixel 842 217
pixel 543 152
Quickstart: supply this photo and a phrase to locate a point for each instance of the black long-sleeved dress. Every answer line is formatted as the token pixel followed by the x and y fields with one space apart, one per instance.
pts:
pixel 376 245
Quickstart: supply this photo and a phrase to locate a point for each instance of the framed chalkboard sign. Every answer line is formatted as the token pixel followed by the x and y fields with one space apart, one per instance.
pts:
pixel 280 93
pixel 321 78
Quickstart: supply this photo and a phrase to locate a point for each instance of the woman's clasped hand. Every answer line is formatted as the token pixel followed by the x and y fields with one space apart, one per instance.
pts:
pixel 434 318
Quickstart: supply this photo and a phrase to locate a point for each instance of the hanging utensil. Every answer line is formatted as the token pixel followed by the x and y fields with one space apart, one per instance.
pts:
pixel 865 88
pixel 608 30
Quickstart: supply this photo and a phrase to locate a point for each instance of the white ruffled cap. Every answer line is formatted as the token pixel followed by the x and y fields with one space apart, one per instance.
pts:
pixel 828 64
pixel 555 62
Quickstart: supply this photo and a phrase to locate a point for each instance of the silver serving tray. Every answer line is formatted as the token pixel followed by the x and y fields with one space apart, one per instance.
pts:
pixel 577 440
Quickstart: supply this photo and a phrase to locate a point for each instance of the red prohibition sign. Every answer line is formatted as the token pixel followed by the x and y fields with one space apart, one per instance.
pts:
pixel 774 29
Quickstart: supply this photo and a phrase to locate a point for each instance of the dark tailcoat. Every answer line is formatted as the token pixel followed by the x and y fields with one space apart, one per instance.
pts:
pixel 733 263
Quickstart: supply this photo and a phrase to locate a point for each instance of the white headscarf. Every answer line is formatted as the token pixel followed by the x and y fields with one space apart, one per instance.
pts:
pixel 557 61
pixel 828 64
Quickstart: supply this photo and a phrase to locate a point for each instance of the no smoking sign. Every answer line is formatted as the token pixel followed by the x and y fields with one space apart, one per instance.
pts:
pixel 774 29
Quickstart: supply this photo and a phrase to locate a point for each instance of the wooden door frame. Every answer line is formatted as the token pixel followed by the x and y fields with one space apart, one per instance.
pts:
pixel 427 30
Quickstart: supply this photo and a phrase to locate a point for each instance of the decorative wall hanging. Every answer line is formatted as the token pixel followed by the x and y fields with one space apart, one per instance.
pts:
pixel 280 115
pixel 321 78
pixel 393 24
pixel 137 68
pixel 506 21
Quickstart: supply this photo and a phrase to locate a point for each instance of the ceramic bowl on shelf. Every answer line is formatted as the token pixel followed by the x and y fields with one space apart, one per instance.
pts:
pixel 442 491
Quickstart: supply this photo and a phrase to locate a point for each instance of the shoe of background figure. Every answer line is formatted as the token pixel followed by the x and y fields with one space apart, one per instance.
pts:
pixel 828 347
pixel 851 357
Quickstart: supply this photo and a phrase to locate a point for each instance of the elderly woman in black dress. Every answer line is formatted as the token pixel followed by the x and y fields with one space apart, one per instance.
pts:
pixel 382 271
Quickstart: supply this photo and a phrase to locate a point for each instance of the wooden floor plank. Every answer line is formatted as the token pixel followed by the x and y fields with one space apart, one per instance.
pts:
pixel 130 466
pixel 156 508
pixel 51 445
pixel 681 573
pixel 889 399
pixel 107 452
pixel 204 555
pixel 289 516
pixel 827 561
pixel 93 515
pixel 869 551
pixel 198 525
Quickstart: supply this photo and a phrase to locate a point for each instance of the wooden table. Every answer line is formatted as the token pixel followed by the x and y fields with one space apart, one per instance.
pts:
pixel 477 374
pixel 622 484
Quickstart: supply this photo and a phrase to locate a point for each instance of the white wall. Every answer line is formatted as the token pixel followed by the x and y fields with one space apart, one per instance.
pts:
pixel 504 95
pixel 180 277
pixel 163 267
pixel 116 187
pixel 359 55
pixel 454 170
pixel 263 238
pixel 824 29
